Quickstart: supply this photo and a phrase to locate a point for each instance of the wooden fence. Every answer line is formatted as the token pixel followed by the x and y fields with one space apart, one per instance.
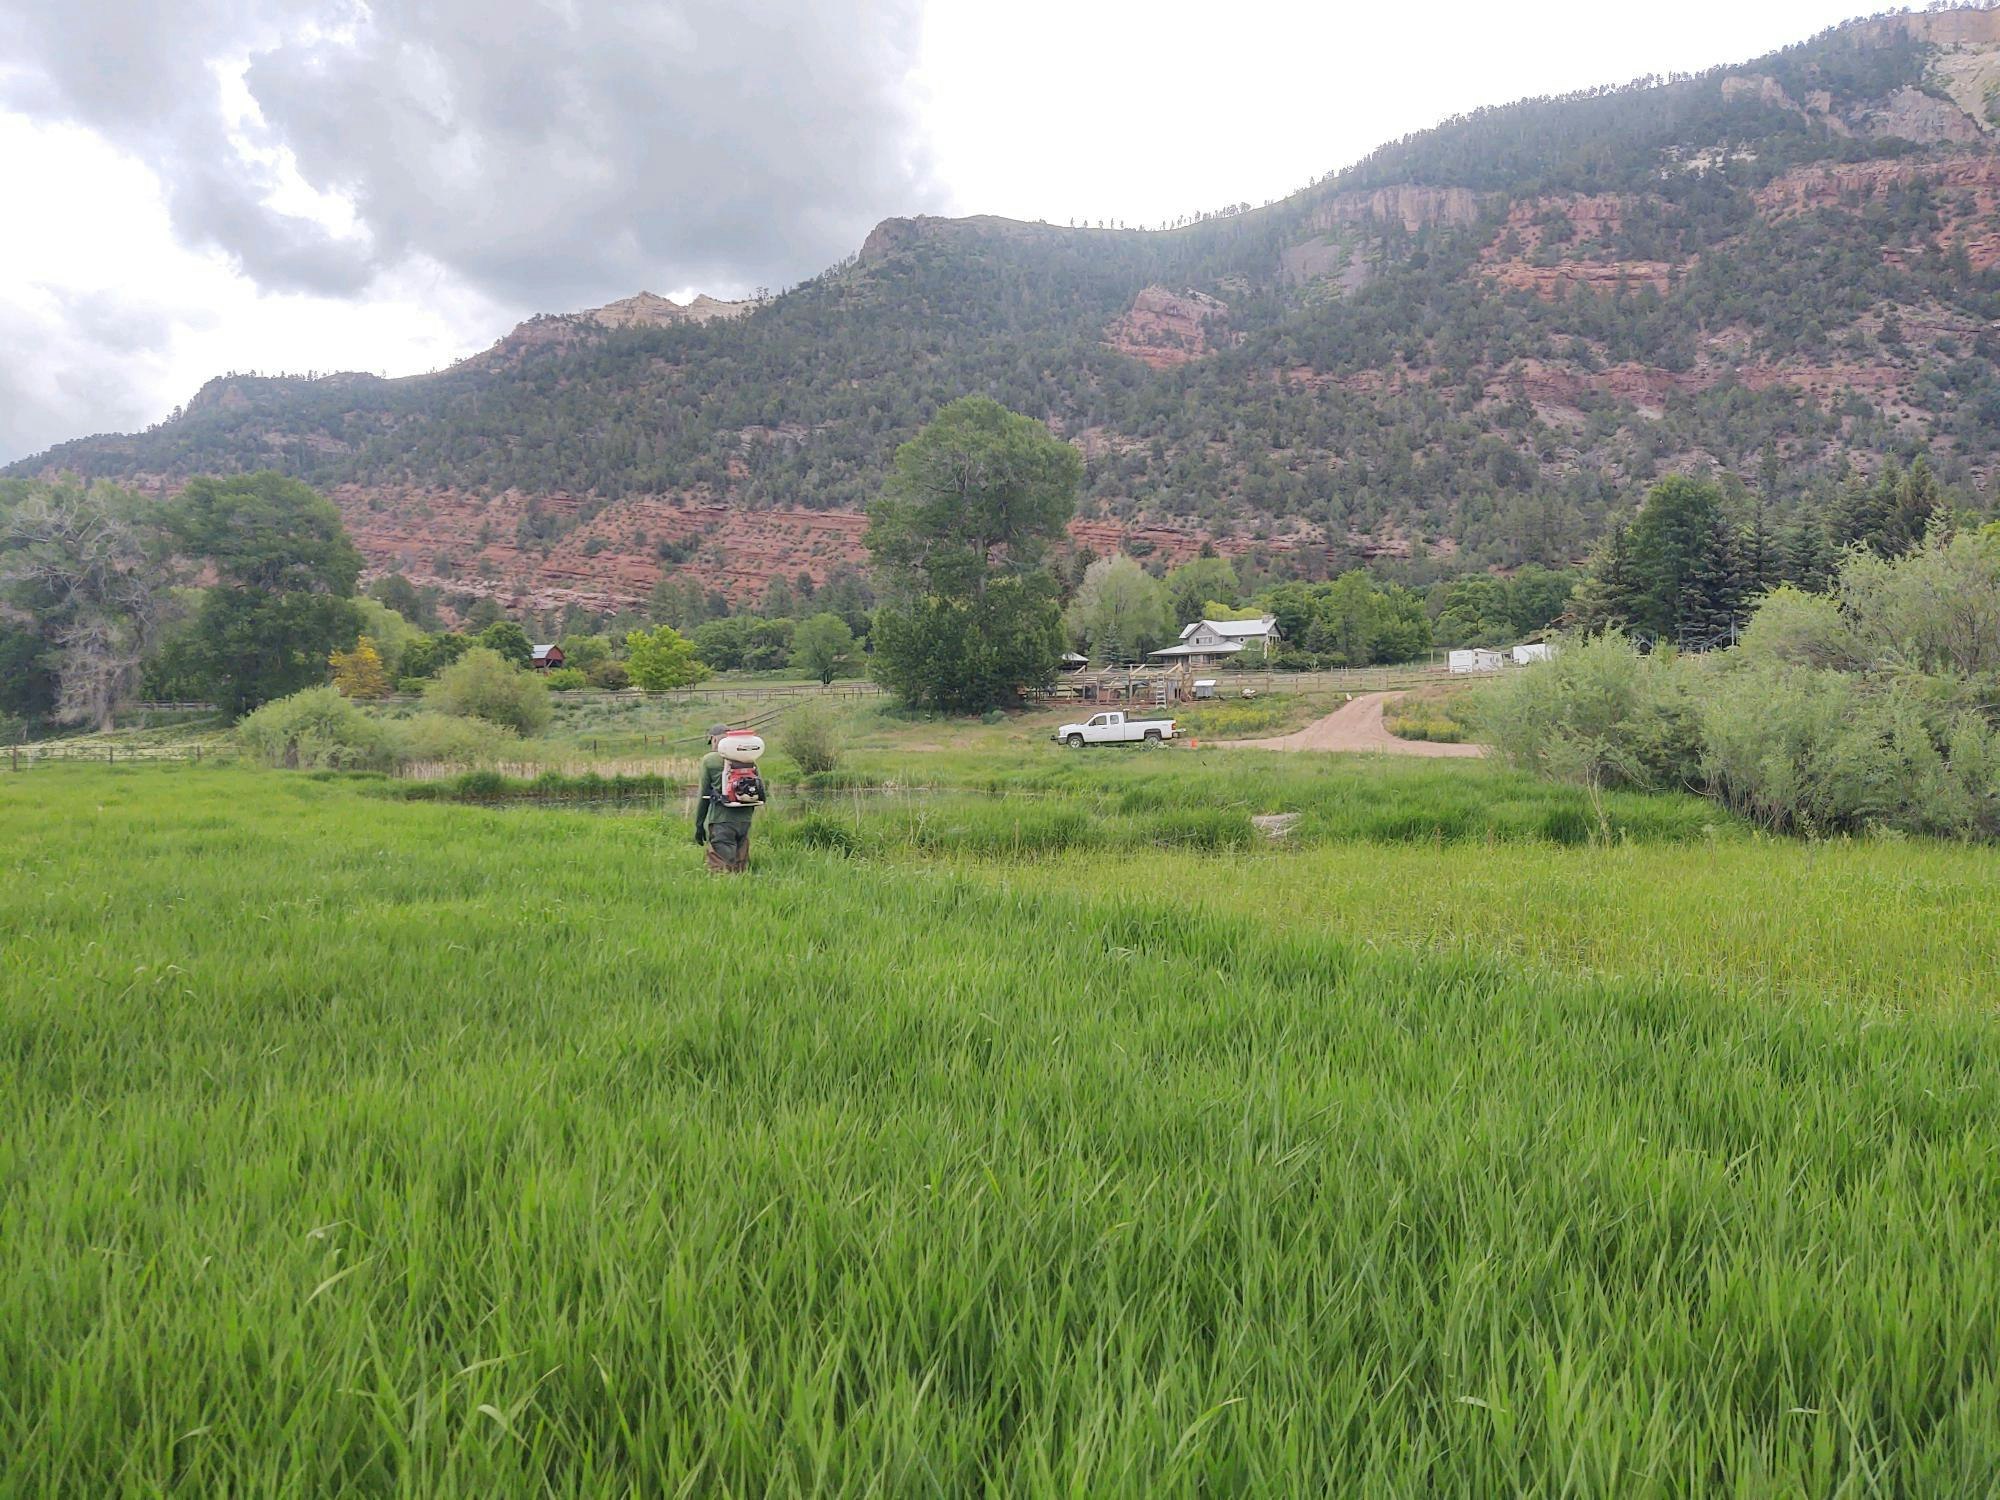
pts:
pixel 707 692
pixel 24 757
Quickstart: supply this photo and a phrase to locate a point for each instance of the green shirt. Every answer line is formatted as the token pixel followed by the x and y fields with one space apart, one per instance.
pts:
pixel 710 809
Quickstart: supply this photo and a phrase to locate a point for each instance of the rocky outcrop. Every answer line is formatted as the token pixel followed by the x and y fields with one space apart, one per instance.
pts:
pixel 1645 387
pixel 1966 190
pixel 1913 115
pixel 1411 205
pixel 1555 244
pixel 1171 544
pixel 1761 87
pixel 1945 28
pixel 1164 329
pixel 554 332
pixel 646 310
pixel 465 543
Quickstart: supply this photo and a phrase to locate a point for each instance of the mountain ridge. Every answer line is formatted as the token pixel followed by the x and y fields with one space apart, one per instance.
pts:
pixel 1476 342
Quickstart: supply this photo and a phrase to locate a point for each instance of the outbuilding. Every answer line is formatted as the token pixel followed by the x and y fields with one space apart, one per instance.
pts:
pixel 544 658
pixel 1477 659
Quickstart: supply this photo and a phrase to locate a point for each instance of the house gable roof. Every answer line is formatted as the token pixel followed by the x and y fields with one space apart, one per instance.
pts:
pixel 1235 629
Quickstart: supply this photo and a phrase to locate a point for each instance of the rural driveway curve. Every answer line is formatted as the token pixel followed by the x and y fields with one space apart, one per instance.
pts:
pixel 1356 725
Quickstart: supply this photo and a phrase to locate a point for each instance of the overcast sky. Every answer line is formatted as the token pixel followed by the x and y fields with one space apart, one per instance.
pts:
pixel 214 185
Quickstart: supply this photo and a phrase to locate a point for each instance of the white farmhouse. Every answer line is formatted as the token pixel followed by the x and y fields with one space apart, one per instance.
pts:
pixel 1209 643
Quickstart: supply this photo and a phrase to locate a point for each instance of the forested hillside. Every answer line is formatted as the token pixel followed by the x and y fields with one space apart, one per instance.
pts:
pixel 1479 344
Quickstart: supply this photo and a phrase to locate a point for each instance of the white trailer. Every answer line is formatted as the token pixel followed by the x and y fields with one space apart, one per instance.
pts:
pixel 1476 660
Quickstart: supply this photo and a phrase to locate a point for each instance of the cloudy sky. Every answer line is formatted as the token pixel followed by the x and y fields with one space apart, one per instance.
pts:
pixel 214 185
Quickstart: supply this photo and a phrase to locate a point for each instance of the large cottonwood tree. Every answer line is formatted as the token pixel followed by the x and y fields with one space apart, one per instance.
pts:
pixel 959 537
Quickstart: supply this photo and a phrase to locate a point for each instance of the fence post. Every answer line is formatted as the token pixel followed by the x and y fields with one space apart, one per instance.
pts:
pixel 110 756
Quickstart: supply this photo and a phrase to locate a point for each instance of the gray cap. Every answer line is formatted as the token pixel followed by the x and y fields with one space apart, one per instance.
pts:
pixel 717 731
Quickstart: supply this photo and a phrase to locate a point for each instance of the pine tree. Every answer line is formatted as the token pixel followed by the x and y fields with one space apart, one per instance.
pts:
pixel 1710 606
pixel 1917 500
pixel 1604 597
pixel 1807 556
pixel 1861 516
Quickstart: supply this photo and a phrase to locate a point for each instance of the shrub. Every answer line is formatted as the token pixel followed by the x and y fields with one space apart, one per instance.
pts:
pixel 314 729
pixel 1601 714
pixel 1795 628
pixel 810 738
pixel 564 680
pixel 611 675
pixel 482 685
pixel 1819 752
pixel 451 740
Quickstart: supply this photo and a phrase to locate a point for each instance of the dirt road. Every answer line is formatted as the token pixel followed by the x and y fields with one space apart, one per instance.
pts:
pixel 1354 726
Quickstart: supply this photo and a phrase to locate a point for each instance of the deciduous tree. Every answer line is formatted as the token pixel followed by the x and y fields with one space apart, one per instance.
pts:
pixel 87 573
pixel 360 673
pixel 661 659
pixel 284 575
pixel 969 511
pixel 822 646
pixel 1120 611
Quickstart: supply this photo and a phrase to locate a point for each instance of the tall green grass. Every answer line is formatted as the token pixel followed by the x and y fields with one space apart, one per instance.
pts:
pixel 359 1146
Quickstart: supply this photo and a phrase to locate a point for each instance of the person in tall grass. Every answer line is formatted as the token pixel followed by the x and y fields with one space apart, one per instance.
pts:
pixel 720 826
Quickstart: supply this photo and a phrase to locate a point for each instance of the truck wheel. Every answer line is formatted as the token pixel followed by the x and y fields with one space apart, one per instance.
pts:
pixel 1152 737
pixel 1075 742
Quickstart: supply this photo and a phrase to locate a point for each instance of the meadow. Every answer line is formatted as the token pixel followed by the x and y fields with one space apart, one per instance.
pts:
pixel 1003 1137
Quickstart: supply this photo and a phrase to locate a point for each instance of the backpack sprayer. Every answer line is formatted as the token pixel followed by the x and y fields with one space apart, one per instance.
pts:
pixel 741 785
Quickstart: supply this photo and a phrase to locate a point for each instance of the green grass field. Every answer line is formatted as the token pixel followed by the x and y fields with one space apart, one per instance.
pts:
pixel 999 1139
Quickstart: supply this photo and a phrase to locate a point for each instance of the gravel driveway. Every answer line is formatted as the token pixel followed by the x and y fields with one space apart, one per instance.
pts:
pixel 1356 725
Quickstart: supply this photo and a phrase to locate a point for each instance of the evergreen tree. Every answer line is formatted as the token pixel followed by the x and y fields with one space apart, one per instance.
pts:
pixel 1685 573
pixel 1806 555
pixel 1606 594
pixel 1860 517
pixel 1710 605
pixel 1917 500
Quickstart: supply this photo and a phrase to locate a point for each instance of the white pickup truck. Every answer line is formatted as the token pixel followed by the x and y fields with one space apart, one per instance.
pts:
pixel 1115 729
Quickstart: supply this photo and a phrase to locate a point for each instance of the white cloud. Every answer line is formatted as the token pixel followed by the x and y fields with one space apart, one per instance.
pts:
pixel 107 321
